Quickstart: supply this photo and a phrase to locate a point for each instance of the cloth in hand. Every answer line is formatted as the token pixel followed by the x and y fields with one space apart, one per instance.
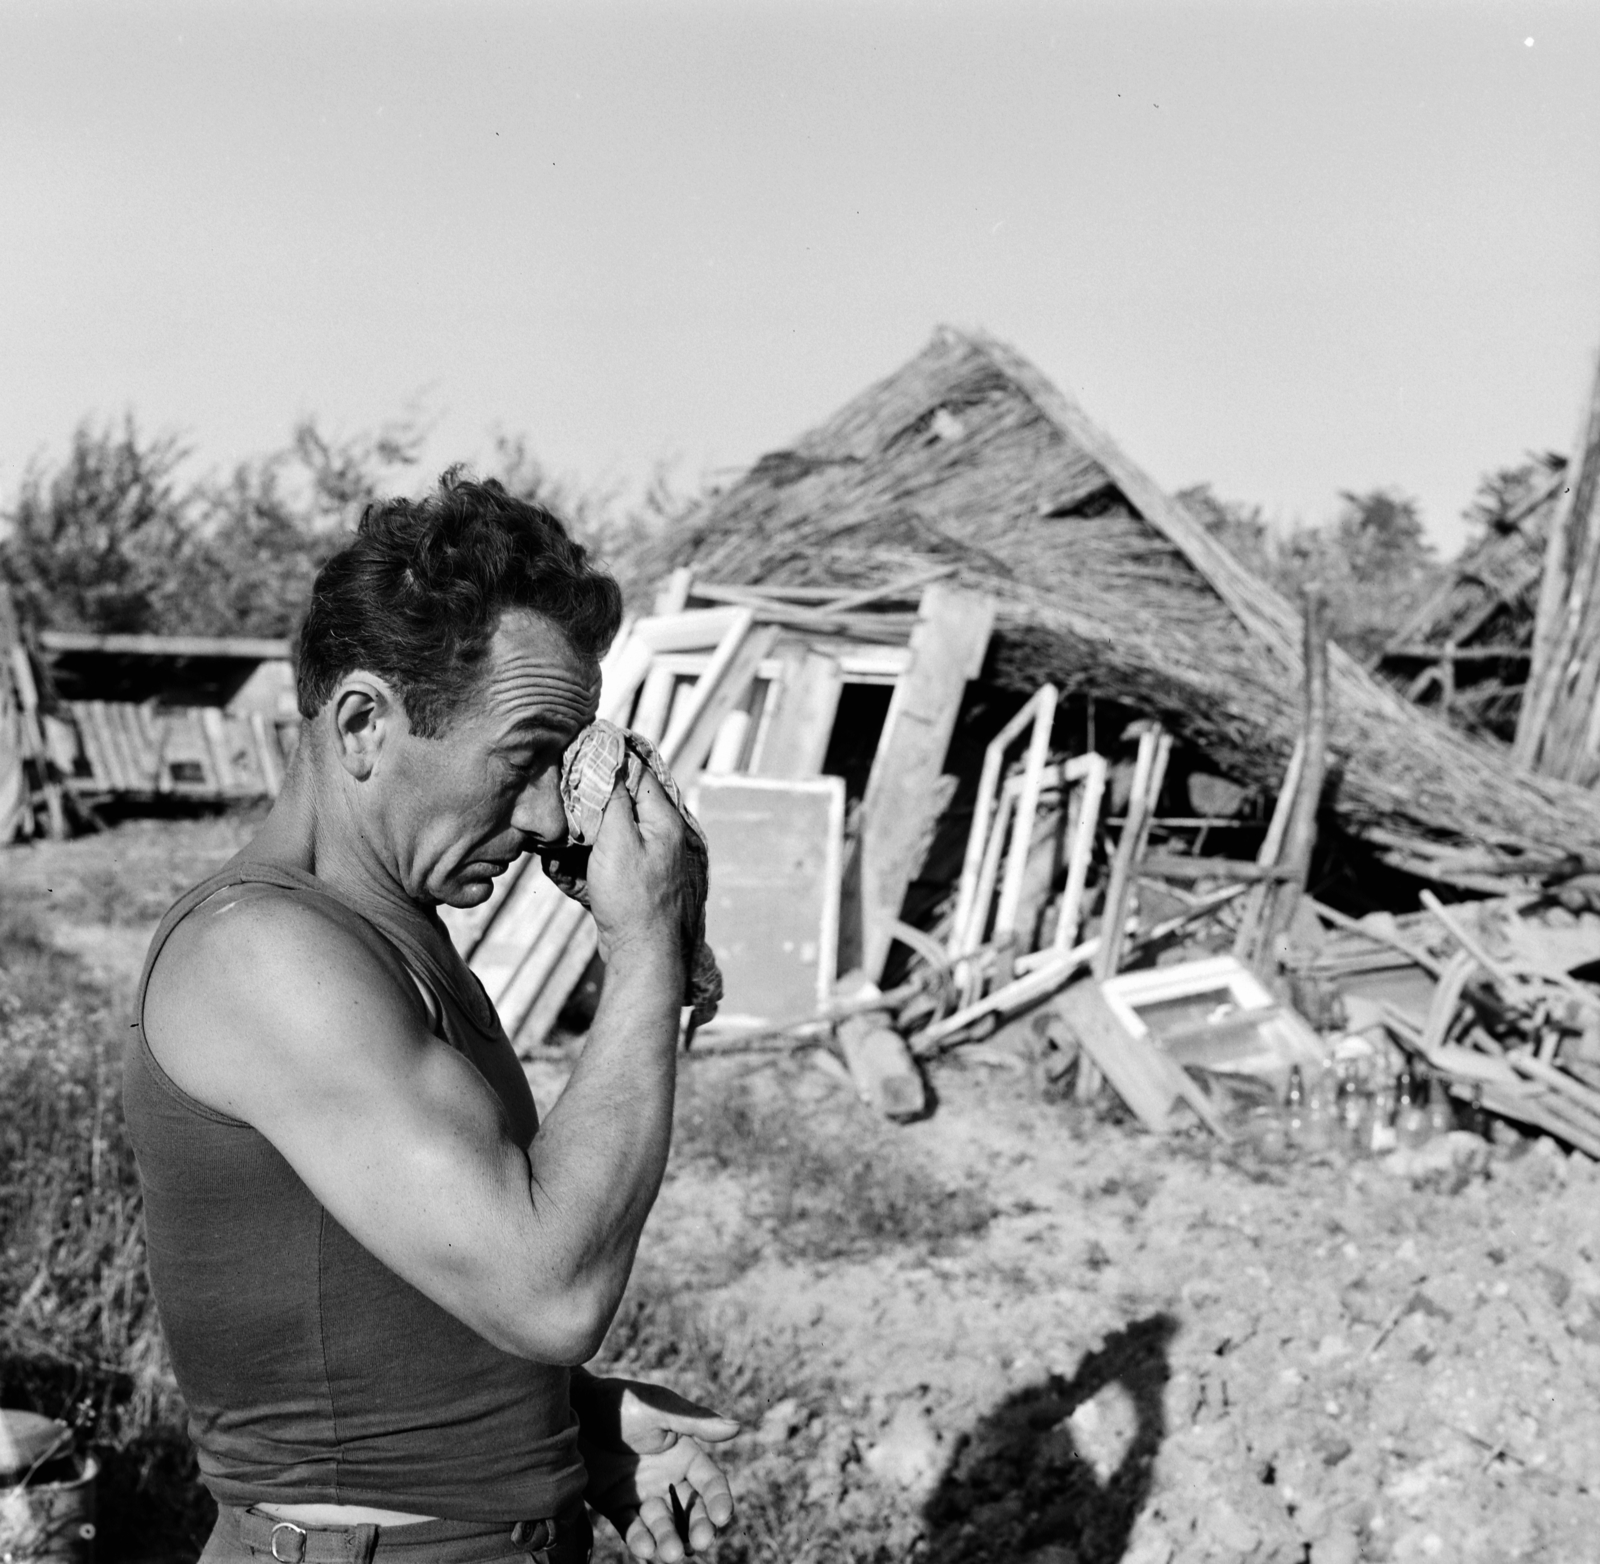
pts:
pixel 601 756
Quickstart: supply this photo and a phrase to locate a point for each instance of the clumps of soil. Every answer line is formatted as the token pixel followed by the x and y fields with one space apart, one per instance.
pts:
pixel 1152 1352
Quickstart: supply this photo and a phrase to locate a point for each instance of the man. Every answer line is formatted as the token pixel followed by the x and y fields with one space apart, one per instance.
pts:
pixel 377 1270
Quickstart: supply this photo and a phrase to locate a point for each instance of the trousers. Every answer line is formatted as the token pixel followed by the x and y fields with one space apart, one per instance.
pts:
pixel 253 1536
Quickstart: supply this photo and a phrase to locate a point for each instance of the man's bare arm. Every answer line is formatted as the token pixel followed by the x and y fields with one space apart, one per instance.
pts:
pixel 269 1012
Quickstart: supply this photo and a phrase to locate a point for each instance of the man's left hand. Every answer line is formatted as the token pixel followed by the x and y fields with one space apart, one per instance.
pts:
pixel 649 1473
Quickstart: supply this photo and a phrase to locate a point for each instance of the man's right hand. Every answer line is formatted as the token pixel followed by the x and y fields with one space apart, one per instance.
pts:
pixel 638 874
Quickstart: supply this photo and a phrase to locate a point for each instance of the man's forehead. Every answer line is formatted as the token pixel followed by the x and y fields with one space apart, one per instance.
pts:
pixel 533 670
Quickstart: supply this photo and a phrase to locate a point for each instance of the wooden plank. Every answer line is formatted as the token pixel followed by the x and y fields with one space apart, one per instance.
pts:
pixel 948 644
pixel 1257 904
pixel 1138 1072
pixel 116 766
pixel 1149 774
pixel 268 756
pixel 557 989
pixel 1566 595
pixel 216 737
pixel 693 630
pixel 719 689
pixel 143 759
pixel 247 648
pixel 772 918
pixel 1052 972
pixel 983 822
pixel 728 747
pixel 623 670
pixel 881 1067
pixel 89 742
pixel 509 936
pixel 1300 836
pixel 240 745
pixel 806 701
pixel 1005 920
pixel 655 703
pixel 543 956
pixel 186 741
pixel 467 926
pixel 1081 852
pixel 672 596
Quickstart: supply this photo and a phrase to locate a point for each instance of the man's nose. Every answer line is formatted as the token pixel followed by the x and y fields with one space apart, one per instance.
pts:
pixel 539 812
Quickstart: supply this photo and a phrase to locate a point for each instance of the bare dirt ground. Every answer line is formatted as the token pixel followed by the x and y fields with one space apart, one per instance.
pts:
pixel 1023 1330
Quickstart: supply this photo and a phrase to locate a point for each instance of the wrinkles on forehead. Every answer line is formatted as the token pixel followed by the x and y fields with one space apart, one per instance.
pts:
pixel 535 678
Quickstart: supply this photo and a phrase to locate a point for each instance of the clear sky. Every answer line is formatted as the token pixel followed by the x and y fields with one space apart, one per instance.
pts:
pixel 1289 248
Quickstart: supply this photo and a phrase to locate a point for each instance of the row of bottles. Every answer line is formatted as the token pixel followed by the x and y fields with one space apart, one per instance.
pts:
pixel 1361 1108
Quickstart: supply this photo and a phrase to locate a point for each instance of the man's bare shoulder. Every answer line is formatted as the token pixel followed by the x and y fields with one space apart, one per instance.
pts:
pixel 257 977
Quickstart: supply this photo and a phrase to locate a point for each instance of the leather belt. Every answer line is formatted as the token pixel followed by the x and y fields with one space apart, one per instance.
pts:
pixel 561 1539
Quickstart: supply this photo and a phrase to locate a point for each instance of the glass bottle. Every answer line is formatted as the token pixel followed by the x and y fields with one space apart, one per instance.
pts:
pixel 1441 1117
pixel 1383 1107
pixel 1411 1116
pixel 1294 1109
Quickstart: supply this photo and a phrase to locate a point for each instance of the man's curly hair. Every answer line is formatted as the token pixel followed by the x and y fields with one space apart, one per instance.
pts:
pixel 416 597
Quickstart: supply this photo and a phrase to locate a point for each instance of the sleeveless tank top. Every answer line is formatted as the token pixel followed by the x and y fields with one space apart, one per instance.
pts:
pixel 312 1372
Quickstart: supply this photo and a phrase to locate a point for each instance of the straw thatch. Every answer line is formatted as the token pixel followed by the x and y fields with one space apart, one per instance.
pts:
pixel 968 457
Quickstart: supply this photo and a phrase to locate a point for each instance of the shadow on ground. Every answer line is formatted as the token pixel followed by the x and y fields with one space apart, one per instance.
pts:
pixel 1026 1479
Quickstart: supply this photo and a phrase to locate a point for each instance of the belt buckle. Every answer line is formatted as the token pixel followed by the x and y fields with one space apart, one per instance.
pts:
pixel 535 1538
pixel 299 1545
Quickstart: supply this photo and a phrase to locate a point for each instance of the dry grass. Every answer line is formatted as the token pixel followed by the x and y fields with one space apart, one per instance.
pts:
pixel 78 1333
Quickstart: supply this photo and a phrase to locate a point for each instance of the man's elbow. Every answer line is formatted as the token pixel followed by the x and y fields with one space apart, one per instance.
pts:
pixel 565 1330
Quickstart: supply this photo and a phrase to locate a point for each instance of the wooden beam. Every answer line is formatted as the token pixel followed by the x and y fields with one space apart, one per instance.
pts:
pixel 805 701
pixel 1561 680
pixel 248 648
pixel 948 645
pixel 1300 837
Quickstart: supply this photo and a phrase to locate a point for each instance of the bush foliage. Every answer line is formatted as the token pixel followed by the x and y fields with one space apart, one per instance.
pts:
pixel 114 539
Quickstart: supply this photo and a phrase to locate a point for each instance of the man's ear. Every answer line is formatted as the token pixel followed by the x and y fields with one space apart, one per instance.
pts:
pixel 366 715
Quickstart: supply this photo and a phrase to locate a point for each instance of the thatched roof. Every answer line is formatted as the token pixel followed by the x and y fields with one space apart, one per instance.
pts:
pixel 968 456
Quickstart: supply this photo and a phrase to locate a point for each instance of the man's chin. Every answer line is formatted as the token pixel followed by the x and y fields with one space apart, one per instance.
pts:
pixel 467 893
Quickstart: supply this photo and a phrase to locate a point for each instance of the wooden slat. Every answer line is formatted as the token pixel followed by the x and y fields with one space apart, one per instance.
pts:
pixel 89 743
pixel 216 738
pixel 1005 919
pixel 247 648
pixel 948 644
pixel 806 701
pixel 655 703
pixel 143 758
pixel 558 987
pixel 540 965
pixel 243 755
pixel 720 688
pixel 504 947
pixel 467 926
pixel 1081 852
pixel 116 768
pixel 268 756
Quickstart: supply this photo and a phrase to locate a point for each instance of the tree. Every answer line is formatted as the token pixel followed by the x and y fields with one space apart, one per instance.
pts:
pixel 86 546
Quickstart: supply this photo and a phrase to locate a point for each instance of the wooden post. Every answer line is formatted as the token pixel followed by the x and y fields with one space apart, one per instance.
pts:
pixel 1149 773
pixel 1563 671
pixel 1300 837
pixel 948 644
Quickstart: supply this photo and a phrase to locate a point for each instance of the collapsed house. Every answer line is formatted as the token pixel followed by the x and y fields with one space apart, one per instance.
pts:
pixel 943 679
pixel 1106 587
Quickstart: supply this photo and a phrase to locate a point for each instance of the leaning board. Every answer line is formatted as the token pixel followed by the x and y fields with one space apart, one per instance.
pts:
pixel 773 914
